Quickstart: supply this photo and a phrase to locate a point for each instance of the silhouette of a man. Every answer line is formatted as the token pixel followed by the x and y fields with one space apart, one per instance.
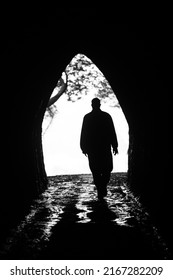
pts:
pixel 98 137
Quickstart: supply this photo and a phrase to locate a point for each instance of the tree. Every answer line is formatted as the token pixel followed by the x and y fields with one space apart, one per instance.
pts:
pixel 83 75
pixel 80 76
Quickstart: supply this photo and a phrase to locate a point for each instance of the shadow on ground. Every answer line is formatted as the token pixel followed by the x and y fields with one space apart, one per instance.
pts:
pixel 68 222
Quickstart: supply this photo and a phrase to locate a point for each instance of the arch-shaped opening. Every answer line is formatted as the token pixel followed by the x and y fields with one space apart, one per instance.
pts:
pixel 63 120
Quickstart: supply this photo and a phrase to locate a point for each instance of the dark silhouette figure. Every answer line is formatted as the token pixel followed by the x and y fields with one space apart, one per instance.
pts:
pixel 98 136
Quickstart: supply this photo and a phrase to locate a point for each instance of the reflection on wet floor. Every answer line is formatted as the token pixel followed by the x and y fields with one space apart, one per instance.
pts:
pixel 73 200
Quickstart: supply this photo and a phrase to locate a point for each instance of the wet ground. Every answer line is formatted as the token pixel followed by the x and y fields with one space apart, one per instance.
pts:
pixel 68 222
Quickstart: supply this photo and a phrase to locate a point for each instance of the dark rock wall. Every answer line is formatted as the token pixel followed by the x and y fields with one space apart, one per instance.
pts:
pixel 134 59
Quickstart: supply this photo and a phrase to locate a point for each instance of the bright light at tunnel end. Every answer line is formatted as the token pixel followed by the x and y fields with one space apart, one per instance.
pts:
pixel 62 154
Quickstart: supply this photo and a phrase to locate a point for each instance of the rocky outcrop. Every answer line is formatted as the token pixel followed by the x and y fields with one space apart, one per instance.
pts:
pixel 134 59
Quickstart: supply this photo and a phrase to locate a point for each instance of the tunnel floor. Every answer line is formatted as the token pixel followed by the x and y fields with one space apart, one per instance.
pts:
pixel 68 222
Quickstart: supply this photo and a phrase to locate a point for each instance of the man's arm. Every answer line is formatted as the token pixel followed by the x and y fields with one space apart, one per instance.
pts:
pixel 83 137
pixel 113 137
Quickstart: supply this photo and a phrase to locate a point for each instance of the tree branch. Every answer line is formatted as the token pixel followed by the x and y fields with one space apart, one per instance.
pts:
pixel 59 93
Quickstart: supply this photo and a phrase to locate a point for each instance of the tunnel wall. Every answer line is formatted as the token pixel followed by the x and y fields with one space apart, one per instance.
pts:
pixel 134 59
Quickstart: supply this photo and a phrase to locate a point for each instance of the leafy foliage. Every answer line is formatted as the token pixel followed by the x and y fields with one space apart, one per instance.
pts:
pixel 81 76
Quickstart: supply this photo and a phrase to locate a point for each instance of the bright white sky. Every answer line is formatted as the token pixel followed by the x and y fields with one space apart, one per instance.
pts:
pixel 61 142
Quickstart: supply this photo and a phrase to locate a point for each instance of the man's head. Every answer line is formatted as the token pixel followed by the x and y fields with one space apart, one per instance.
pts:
pixel 95 103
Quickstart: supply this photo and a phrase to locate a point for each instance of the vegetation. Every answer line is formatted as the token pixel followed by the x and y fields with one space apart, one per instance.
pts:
pixel 79 78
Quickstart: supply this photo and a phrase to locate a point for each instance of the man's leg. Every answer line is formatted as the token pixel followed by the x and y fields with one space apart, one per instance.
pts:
pixel 96 166
pixel 105 181
pixel 96 177
pixel 98 182
pixel 107 166
pixel 101 180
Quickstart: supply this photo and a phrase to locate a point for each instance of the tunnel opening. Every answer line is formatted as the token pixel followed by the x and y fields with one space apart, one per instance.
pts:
pixel 141 54
pixel 62 120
